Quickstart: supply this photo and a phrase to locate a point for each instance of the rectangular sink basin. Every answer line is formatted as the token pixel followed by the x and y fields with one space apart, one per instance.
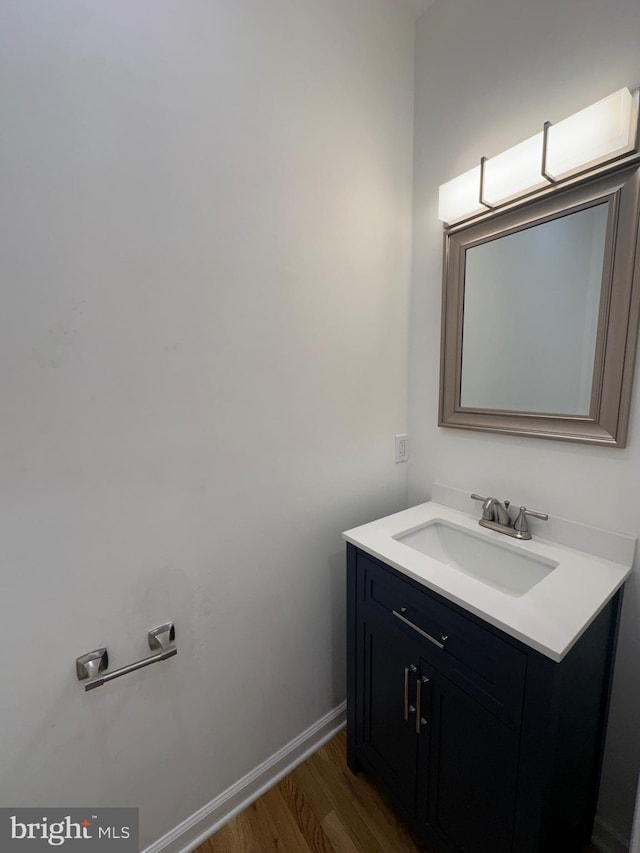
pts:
pixel 500 565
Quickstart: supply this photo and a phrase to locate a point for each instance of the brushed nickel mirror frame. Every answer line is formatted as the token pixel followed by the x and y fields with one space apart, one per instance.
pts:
pixel 607 420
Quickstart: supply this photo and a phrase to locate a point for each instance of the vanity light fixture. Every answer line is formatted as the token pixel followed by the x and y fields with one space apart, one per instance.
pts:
pixel 599 134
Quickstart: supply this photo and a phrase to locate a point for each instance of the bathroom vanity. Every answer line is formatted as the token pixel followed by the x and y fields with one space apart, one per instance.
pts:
pixel 478 702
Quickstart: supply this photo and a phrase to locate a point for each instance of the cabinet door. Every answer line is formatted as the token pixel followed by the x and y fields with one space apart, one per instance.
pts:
pixel 388 738
pixel 468 765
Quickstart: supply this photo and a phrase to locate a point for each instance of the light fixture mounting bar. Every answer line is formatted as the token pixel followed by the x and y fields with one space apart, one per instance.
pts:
pixel 545 145
pixel 481 197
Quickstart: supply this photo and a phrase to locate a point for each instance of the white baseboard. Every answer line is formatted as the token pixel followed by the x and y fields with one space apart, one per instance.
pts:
pixel 185 837
pixel 607 840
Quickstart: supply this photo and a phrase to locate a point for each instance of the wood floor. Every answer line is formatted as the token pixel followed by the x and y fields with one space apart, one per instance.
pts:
pixel 320 807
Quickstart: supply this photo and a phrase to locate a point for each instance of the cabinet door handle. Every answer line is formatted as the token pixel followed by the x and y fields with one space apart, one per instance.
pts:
pixel 422 633
pixel 407 707
pixel 420 720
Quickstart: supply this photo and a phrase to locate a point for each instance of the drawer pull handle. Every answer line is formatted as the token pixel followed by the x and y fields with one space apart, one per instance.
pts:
pixel 420 720
pixel 422 633
pixel 407 707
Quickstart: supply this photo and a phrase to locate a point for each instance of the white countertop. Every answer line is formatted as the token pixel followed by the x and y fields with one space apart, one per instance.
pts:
pixel 550 617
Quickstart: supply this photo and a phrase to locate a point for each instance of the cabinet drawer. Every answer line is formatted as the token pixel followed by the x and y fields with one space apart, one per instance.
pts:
pixel 486 666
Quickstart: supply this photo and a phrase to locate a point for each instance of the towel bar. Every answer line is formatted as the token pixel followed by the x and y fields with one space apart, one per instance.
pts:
pixel 93 663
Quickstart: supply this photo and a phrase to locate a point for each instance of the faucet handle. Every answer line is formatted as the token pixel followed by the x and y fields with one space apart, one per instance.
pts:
pixel 521 522
pixel 486 511
pixel 494 510
pixel 484 500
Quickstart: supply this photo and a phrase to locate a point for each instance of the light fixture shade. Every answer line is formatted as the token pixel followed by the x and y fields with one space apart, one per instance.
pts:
pixel 460 197
pixel 514 173
pixel 595 135
pixel 599 134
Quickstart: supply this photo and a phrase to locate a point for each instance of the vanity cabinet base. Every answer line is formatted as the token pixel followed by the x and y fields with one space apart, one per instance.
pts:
pixel 482 744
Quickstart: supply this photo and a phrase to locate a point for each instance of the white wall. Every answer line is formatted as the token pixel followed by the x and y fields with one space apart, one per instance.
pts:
pixel 488 74
pixel 205 216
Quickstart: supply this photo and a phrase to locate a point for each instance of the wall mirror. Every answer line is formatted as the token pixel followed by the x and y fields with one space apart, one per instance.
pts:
pixel 540 314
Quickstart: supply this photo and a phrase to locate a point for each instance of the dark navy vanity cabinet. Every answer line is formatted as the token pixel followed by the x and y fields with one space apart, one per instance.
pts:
pixel 481 743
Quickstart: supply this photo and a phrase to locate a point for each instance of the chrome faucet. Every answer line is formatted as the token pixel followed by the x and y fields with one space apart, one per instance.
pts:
pixel 494 510
pixel 495 516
